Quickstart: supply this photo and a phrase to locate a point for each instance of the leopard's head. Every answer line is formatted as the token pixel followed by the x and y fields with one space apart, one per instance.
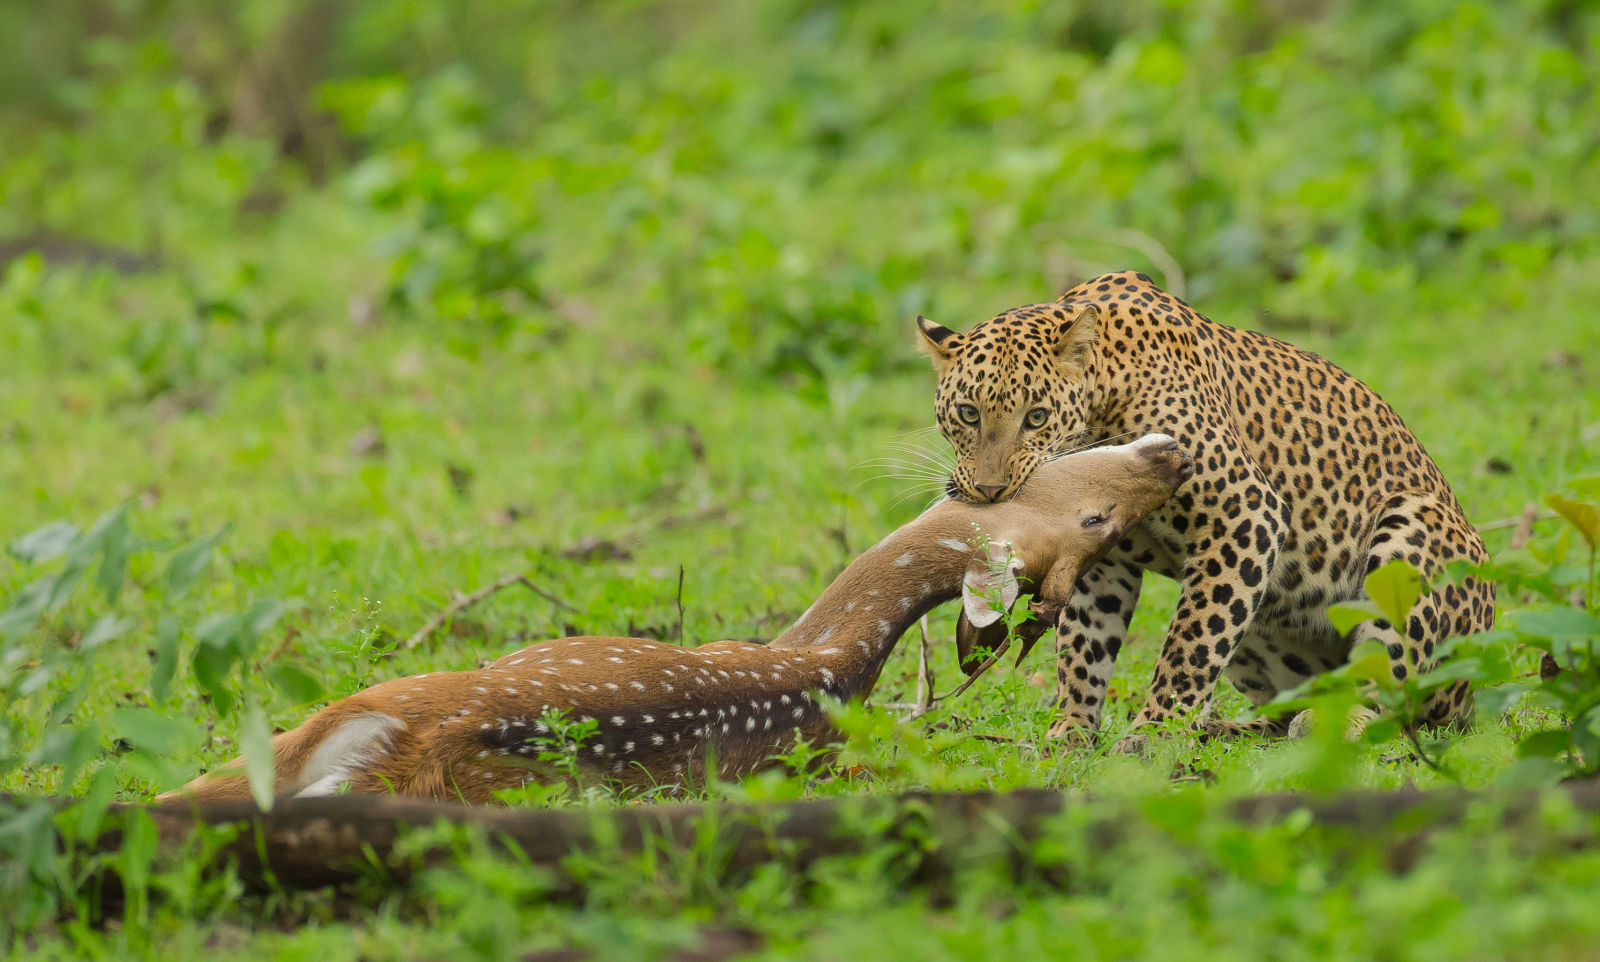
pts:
pixel 1012 392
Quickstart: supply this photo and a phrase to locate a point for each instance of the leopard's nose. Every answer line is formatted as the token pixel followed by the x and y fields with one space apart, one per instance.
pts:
pixel 990 491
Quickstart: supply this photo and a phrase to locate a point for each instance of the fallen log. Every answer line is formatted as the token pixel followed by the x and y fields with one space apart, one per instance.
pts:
pixel 315 842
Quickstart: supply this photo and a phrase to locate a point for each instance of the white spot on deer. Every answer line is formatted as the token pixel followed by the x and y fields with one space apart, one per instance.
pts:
pixel 884 627
pixel 850 606
pixel 956 544
pixel 783 699
pixel 828 651
pixel 767 725
pixel 904 560
pixel 724 728
pixel 827 677
pixel 627 747
pixel 402 698
pixel 485 727
pixel 750 724
pixel 618 720
pixel 611 686
pixel 639 686
pixel 798 713
pixel 649 719
pixel 614 658
pixel 574 661
pixel 905 604
pixel 345 752
pixel 658 740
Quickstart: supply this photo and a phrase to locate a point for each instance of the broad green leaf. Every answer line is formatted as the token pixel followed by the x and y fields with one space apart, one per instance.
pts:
pixel 1546 744
pixel 105 628
pixel 1586 487
pixel 217 630
pixel 1464 668
pixel 150 732
pixel 26 608
pixel 1534 771
pixel 85 746
pixel 1395 588
pixel 1346 615
pixel 1381 729
pixel 262 616
pixel 255 739
pixel 166 663
pixel 1498 700
pixel 1564 622
pixel 189 561
pixel 114 546
pixel 44 544
pixel 1584 517
pixel 210 665
pixel 1369 661
pixel 92 808
pixel 298 685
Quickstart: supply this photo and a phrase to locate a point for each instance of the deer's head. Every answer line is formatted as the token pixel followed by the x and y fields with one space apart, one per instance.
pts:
pixel 1062 521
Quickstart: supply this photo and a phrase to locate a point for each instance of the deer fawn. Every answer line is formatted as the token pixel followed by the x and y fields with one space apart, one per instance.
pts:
pixel 638 713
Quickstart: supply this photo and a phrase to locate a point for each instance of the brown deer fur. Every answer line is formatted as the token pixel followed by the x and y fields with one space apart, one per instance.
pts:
pixel 658 713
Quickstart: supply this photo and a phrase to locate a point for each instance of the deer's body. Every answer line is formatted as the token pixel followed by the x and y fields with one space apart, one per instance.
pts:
pixel 638 713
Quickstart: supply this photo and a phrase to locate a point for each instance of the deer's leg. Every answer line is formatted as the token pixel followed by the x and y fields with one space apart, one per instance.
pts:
pixel 1090 629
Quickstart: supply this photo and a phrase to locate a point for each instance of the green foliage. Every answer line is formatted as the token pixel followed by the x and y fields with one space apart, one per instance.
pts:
pixel 1543 656
pixel 412 294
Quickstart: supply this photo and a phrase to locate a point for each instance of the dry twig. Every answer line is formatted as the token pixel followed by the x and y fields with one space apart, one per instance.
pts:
pixel 461 602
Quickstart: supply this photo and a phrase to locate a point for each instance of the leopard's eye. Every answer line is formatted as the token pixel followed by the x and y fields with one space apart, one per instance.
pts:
pixel 967 413
pixel 1037 417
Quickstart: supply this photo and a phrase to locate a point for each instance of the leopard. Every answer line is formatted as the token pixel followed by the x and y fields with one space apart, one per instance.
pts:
pixel 1305 482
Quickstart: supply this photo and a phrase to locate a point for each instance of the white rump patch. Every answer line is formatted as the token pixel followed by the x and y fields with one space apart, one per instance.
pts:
pixel 343 754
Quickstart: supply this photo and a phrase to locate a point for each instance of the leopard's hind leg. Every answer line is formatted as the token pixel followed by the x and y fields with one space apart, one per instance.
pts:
pixel 1429 534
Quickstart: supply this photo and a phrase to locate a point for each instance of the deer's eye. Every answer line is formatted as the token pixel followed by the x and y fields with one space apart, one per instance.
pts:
pixel 967 413
pixel 1037 417
pixel 1093 520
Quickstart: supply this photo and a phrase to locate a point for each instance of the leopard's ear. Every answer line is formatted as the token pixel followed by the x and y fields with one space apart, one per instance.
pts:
pixel 1076 337
pixel 936 341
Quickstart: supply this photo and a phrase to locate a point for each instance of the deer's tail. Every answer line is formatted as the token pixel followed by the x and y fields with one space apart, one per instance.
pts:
pixel 334 746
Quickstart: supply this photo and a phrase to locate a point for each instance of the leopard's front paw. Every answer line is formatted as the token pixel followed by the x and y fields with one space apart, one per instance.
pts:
pixel 1137 743
pixel 1069 734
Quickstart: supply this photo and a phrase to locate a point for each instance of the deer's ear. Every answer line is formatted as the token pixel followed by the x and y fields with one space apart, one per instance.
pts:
pixel 936 341
pixel 978 585
pixel 1076 337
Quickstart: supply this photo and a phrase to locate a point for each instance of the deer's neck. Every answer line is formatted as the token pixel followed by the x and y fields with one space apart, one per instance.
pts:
pixel 848 632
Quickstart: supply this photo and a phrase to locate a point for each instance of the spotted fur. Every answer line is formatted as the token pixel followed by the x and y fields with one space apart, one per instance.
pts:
pixel 1306 481
pixel 638 713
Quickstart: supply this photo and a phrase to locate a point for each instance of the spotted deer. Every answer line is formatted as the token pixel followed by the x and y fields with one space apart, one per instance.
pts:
pixel 638 713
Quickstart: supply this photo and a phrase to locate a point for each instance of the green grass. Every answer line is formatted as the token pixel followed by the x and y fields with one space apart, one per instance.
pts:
pixel 646 276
